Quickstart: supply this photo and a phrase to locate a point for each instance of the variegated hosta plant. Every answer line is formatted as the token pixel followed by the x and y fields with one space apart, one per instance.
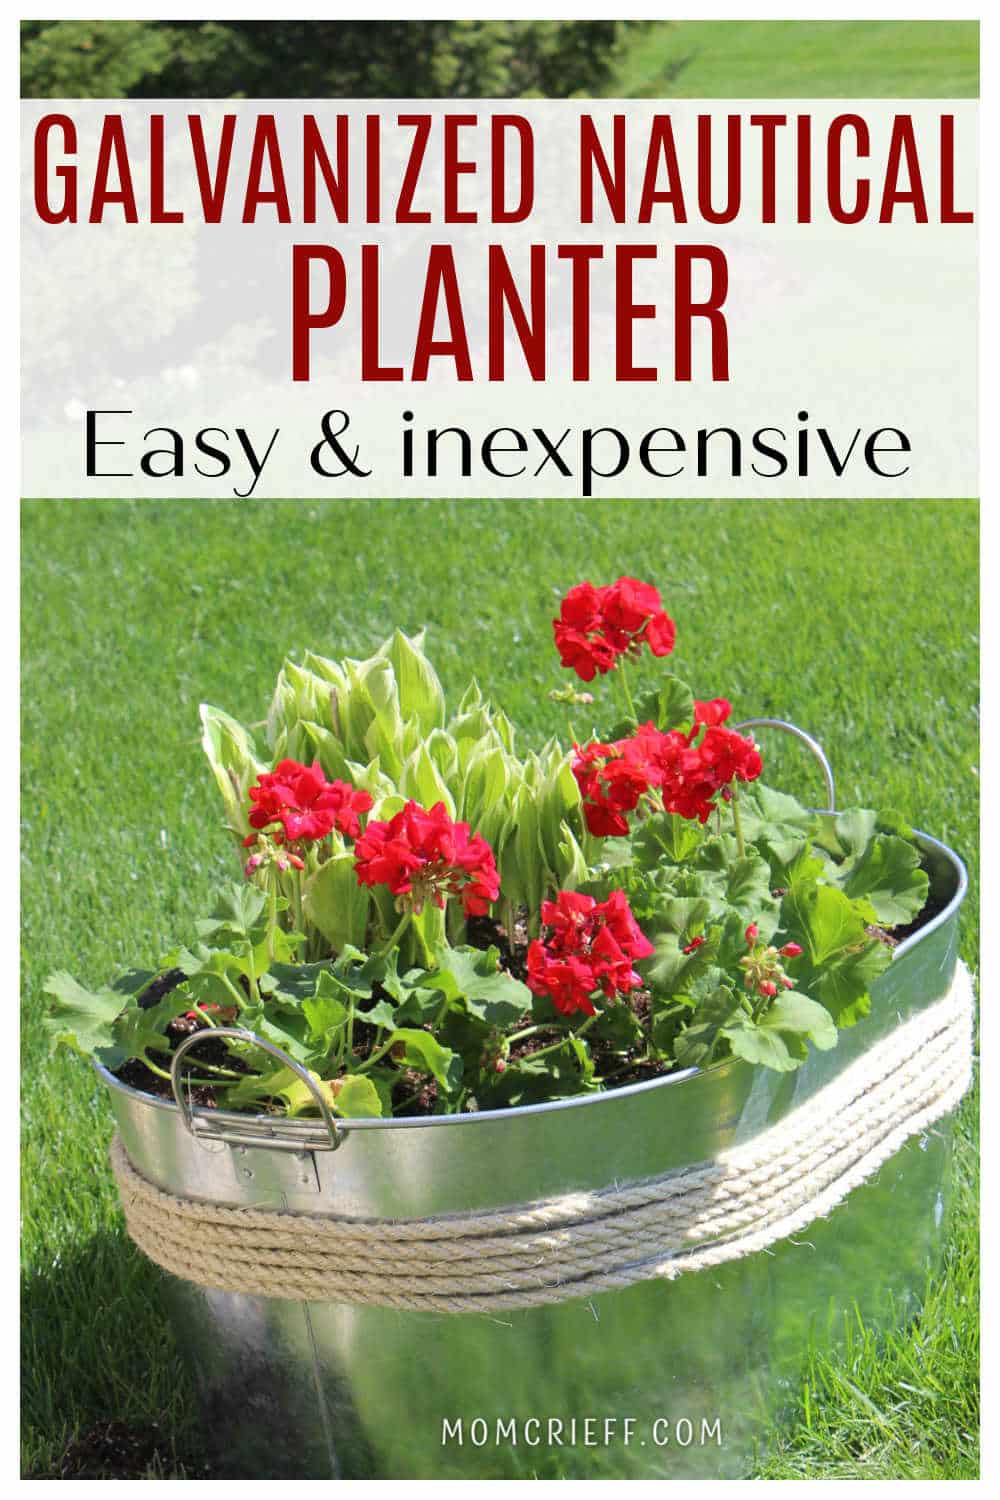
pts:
pixel 428 921
pixel 382 726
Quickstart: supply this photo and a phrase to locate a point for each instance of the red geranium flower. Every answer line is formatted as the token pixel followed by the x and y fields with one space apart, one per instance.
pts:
pixel 613 779
pixel 591 946
pixel 715 711
pixel 728 756
pixel 421 855
pixel 597 625
pixel 304 803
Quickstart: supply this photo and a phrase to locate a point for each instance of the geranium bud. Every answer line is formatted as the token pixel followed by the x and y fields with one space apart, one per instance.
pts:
pixel 252 864
pixel 500 1066
pixel 791 950
pixel 768 987
pixel 751 933
pixel 295 862
pixel 788 983
pixel 693 945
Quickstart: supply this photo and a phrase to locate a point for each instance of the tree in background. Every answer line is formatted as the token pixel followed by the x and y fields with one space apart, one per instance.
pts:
pixel 317 59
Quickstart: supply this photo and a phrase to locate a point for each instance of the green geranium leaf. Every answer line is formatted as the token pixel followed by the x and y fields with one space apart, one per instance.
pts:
pixel 843 987
pixel 670 706
pixel 327 1015
pixel 619 1025
pixel 840 960
pixel 667 835
pixel 823 920
pixel 888 874
pixel 796 1015
pixel 561 1074
pixel 137 1031
pixel 473 977
pixel 84 1019
pixel 848 835
pixel 297 982
pixel 421 1051
pixel 671 971
pixel 273 1082
pixel 286 1028
pixel 239 908
pixel 695 1045
pixel 761 1046
pixel 356 1097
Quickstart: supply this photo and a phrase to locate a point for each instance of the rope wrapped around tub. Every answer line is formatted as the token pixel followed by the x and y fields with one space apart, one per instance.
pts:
pixel 741 1202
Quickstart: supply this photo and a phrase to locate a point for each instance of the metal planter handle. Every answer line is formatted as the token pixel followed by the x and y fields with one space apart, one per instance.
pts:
pixel 239 1034
pixel 809 742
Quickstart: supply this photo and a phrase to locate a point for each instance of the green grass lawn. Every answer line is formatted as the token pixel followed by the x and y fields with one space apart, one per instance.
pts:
pixel 857 619
pixel 801 59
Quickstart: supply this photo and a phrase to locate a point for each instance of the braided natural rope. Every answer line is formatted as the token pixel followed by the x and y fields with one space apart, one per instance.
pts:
pixel 743 1201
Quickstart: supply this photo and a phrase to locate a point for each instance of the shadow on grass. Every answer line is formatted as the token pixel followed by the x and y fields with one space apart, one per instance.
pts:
pixel 104 1392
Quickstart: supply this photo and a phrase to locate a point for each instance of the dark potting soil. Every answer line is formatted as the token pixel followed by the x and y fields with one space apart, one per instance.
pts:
pixel 415 1093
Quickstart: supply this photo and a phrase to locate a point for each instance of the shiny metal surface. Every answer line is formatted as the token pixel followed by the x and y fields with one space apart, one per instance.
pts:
pixel 317 1390
pixel 811 744
pixel 240 1034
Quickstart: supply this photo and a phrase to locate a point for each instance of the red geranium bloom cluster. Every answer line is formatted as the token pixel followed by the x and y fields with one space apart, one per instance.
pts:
pixel 304 803
pixel 684 774
pixel 614 778
pixel 597 625
pixel 423 856
pixel 591 945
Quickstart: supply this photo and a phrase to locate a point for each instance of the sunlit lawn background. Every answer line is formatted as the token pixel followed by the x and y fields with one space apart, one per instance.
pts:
pixel 856 619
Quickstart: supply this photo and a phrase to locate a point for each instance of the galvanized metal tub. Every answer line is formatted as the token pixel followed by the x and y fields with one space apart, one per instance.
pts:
pixel 678 1379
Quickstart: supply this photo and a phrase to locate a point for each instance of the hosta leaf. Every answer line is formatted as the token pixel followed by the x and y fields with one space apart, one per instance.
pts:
pixel 335 903
pixel 232 756
pixel 421 695
pixel 443 751
pixel 327 749
pixel 421 780
pixel 571 868
pixel 522 870
pixel 384 735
